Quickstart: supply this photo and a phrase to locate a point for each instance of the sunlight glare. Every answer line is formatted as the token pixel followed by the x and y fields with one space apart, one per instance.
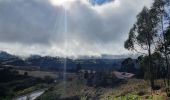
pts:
pixel 60 2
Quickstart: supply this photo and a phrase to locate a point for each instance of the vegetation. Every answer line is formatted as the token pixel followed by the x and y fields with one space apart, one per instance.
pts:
pixel 146 32
pixel 150 33
pixel 128 65
pixel 12 83
pixel 78 67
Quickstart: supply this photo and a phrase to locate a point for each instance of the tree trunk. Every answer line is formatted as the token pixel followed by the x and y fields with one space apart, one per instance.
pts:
pixel 165 53
pixel 151 73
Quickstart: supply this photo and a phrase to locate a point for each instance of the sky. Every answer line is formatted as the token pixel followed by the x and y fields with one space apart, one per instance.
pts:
pixel 67 27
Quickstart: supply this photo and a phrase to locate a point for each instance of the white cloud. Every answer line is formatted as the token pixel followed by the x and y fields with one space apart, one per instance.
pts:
pixel 37 27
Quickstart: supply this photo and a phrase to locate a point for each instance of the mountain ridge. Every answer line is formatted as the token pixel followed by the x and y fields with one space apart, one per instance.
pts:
pixel 57 63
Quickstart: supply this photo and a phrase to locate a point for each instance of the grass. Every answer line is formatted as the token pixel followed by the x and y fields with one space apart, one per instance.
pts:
pixel 134 89
pixel 133 86
pixel 30 89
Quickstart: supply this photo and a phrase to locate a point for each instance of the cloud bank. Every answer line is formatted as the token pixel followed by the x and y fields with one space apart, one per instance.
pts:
pixel 39 27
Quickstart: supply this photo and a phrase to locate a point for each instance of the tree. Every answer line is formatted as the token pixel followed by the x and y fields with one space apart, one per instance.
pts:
pixel 162 8
pixel 78 67
pixel 48 79
pixel 128 65
pixel 25 73
pixel 142 35
pixel 164 48
pixel 157 61
pixel 140 70
pixel 86 75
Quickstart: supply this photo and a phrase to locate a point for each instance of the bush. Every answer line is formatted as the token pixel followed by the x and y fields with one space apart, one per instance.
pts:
pixel 26 73
pixel 129 97
pixel 51 95
pixel 48 79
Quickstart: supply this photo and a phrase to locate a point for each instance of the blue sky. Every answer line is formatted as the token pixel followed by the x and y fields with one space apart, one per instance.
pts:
pixel 100 2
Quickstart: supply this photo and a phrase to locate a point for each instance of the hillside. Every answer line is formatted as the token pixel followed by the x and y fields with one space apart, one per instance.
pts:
pixel 57 63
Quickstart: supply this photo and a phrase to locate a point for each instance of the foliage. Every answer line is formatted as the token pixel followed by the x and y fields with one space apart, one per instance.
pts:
pixel 48 79
pixel 26 73
pixel 50 95
pixel 128 65
pixel 162 7
pixel 11 83
pixel 78 67
pixel 144 33
pixel 158 68
pixel 83 98
pixel 129 97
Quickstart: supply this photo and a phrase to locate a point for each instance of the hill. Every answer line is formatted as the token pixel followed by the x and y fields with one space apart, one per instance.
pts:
pixel 57 63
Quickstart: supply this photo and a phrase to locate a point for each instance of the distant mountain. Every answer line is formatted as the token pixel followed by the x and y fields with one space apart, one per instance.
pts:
pixel 5 55
pixel 9 59
pixel 107 56
pixel 56 63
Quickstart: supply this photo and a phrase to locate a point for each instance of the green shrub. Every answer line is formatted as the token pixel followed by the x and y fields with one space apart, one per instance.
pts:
pixel 128 97
pixel 52 95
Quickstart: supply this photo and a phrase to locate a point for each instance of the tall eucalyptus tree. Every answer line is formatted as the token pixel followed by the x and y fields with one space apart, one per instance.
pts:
pixel 143 34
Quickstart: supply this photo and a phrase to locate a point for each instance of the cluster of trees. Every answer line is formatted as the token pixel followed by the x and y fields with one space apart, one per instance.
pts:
pixel 100 79
pixel 150 35
pixel 128 65
pixel 11 82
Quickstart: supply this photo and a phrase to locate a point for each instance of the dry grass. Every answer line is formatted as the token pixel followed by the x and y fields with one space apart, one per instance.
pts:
pixel 135 87
pixel 138 88
pixel 132 86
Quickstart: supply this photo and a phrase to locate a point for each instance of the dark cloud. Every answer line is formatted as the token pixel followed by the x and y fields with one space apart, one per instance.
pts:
pixel 26 21
pixel 97 30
